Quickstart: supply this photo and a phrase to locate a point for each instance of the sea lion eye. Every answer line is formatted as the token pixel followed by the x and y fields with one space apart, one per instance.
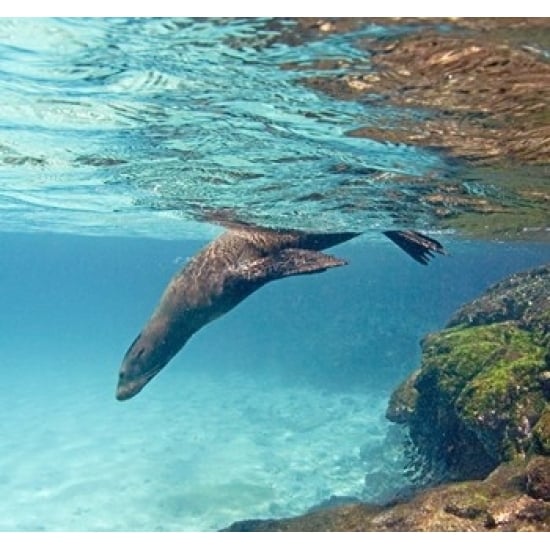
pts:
pixel 129 351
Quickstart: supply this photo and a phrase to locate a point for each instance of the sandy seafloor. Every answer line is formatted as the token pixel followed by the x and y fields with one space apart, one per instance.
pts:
pixel 267 412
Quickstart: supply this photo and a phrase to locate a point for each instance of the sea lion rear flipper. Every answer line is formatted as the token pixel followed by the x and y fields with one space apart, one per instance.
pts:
pixel 288 262
pixel 418 246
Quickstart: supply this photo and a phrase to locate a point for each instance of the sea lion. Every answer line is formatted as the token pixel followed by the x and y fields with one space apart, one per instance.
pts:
pixel 224 273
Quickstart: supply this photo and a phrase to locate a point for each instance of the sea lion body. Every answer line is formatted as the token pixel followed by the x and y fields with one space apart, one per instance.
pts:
pixel 218 278
pixel 223 274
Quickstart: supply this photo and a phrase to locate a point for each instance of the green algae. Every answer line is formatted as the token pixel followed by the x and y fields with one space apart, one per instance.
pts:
pixel 459 354
pixel 502 403
pixel 511 374
pixel 478 387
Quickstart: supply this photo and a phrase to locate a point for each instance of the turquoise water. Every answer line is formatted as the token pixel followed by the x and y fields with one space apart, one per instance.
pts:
pixel 116 136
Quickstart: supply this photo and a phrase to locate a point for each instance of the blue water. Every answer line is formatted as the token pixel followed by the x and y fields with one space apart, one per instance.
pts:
pixel 116 137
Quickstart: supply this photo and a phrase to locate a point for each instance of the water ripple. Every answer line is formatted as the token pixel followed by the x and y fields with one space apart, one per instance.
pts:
pixel 125 123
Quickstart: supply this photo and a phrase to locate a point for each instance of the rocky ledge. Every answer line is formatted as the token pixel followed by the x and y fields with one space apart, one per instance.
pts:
pixel 515 497
pixel 478 415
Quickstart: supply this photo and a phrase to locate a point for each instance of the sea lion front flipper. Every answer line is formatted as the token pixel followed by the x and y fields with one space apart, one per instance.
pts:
pixel 288 262
pixel 418 246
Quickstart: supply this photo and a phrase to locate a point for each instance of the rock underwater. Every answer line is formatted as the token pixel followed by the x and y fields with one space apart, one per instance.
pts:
pixel 478 415
pixel 483 385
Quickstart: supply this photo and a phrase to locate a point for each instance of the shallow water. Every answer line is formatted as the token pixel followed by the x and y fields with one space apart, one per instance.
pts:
pixel 117 136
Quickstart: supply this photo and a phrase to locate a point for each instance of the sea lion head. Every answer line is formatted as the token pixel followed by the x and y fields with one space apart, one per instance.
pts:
pixel 147 356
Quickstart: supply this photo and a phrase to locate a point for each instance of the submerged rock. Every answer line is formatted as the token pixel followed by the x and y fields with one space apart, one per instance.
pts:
pixel 538 478
pixel 523 298
pixel 403 401
pixel 480 396
pixel 503 502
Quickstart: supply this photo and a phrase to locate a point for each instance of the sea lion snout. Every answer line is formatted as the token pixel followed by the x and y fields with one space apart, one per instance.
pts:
pixel 139 365
pixel 126 388
pixel 130 381
pixel 147 355
pixel 133 376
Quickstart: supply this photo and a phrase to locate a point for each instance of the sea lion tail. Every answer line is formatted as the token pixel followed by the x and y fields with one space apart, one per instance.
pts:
pixel 416 245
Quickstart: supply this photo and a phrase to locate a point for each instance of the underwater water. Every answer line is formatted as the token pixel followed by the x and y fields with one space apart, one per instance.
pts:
pixel 118 139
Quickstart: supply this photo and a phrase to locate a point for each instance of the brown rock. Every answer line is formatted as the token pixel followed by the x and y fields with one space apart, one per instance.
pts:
pixel 538 478
pixel 498 503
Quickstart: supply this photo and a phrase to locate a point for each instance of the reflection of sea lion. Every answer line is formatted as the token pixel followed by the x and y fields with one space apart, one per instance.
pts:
pixel 223 274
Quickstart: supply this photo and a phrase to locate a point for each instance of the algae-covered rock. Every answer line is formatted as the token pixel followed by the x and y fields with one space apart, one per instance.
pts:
pixel 482 388
pixel 477 409
pixel 403 401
